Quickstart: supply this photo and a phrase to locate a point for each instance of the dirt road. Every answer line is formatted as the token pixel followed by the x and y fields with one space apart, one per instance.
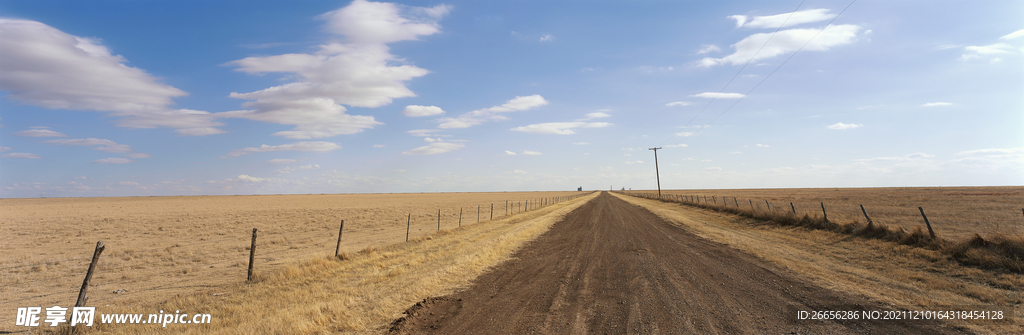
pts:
pixel 613 267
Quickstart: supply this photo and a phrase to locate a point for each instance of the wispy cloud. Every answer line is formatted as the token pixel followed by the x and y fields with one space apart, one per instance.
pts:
pixel 937 104
pixel 20 155
pixel 1013 35
pixel 291 169
pixel 38 132
pixel 493 113
pixel 986 51
pixel 785 41
pixel 708 49
pixel 775 21
pixel 281 161
pixel 46 67
pixel 547 38
pixel 531 153
pixel 716 95
pixel 99 144
pixel 843 126
pixel 112 161
pixel 317 146
pixel 559 128
pixel 435 148
pixel 678 103
pixel 634 162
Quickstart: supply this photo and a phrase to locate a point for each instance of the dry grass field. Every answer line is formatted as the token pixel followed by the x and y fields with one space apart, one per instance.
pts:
pixel 161 247
pixel 956 213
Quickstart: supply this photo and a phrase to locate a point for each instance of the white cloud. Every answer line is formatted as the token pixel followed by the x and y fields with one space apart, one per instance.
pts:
pixel 43 66
pixel 2 149
pixel 39 133
pixel 634 162
pixel 435 148
pixel 424 132
pixel 531 153
pixel 547 38
pixel 559 128
pixel 681 145
pixel 99 144
pixel 492 113
pixel 785 41
pixel 596 115
pixel 20 155
pixel 281 161
pixel 678 103
pixel 685 134
pixel 791 19
pixel 312 117
pixel 709 48
pixel 80 177
pixel 715 95
pixel 112 161
pixel 581 143
pixel 128 183
pixel 759 145
pixel 1013 35
pixel 713 168
pixel 138 155
pixel 842 126
pixel 379 146
pixel 317 146
pixel 248 178
pixel 508 153
pixel 361 72
pixel 293 169
pixel 417 111
pixel 519 172
pixel 937 104
pixel 984 51
pixel 993 151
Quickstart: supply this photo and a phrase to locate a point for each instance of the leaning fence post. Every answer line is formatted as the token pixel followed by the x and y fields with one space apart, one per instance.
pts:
pixel 865 214
pixel 751 204
pixel 252 254
pixel 407 221
pixel 338 248
pixel 823 211
pixel 736 201
pixel 929 224
pixel 714 199
pixel 83 293
pixel 769 205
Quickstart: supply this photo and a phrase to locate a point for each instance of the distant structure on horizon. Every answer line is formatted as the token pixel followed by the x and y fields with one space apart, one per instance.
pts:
pixel 579 188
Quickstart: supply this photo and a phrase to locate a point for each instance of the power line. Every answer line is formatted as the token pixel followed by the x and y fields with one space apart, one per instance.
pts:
pixel 740 70
pixel 773 71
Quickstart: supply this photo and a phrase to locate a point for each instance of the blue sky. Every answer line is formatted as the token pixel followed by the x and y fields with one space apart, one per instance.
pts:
pixel 124 98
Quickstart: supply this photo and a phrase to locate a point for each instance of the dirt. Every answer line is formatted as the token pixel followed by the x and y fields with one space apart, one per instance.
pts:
pixel 613 267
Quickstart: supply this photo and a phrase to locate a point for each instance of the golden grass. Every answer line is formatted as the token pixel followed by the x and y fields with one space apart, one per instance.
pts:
pixel 362 294
pixel 955 212
pixel 160 247
pixel 898 275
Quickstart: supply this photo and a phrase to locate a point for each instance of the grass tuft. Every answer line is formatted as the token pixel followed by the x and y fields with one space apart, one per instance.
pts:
pixel 999 253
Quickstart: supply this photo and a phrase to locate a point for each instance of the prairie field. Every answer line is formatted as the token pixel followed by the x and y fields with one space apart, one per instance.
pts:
pixel 955 213
pixel 161 247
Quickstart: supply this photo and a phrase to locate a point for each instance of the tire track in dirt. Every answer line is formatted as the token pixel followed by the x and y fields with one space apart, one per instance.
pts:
pixel 613 267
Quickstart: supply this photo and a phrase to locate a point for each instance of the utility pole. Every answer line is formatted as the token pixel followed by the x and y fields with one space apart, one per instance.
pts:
pixel 656 173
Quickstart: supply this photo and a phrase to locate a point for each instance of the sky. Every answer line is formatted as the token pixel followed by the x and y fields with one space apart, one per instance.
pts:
pixel 144 98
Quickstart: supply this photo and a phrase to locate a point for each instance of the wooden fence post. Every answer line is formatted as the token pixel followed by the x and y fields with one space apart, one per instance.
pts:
pixel 438 220
pixel 338 248
pixel 865 214
pixel 751 204
pixel 460 216
pixel 407 221
pixel 252 254
pixel 492 211
pixel 823 211
pixel 793 207
pixel 477 213
pixel 929 224
pixel 83 292
pixel 736 201
pixel 769 205
pixel 714 199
